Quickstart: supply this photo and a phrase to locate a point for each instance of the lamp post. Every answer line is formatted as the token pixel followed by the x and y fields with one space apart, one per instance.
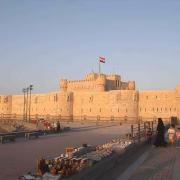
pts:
pixel 24 106
pixel 27 99
pixel 30 89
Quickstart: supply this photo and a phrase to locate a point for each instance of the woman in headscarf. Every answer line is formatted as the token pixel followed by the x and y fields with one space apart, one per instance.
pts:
pixel 160 141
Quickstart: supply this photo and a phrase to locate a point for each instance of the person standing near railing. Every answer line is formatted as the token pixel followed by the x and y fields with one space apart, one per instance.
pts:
pixel 171 134
pixel 160 140
pixel 178 137
pixel 149 136
pixel 58 126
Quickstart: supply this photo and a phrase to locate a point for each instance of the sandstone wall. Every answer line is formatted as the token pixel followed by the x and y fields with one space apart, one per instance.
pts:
pixel 5 104
pixel 153 104
pixel 108 104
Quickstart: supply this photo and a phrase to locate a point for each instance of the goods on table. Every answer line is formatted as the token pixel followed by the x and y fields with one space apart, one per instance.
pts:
pixel 76 159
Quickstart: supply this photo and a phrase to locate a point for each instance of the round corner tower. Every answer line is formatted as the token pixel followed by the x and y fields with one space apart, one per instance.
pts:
pixel 131 85
pixel 100 83
pixel 63 84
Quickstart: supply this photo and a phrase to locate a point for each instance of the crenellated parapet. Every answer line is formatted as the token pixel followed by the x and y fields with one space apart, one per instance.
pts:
pixel 63 84
pixel 97 82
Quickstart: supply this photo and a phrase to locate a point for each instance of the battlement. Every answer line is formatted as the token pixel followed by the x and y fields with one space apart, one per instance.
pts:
pixel 97 82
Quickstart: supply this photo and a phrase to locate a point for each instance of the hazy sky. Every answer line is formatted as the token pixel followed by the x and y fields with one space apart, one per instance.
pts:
pixel 42 41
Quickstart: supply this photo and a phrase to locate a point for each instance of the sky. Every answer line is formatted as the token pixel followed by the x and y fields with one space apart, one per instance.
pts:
pixel 43 41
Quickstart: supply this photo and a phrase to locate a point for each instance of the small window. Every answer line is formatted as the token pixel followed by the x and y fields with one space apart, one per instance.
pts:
pixel 153 109
pixel 146 97
pixel 90 110
pixel 68 98
pixel 157 109
pixel 170 109
pixel 126 110
pixel 5 99
pixel 156 97
pixel 118 109
pixel 100 110
pixel 56 98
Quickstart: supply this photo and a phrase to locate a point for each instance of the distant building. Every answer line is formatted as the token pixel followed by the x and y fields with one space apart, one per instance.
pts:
pixel 97 97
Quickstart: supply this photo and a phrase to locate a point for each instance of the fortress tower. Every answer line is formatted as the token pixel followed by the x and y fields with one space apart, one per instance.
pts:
pixel 63 85
pixel 100 83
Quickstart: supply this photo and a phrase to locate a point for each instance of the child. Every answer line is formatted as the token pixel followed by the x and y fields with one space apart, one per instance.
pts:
pixel 171 134
pixel 178 137
pixel 149 135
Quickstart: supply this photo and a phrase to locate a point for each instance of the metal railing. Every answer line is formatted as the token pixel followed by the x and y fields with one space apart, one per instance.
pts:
pixel 83 118
pixel 138 131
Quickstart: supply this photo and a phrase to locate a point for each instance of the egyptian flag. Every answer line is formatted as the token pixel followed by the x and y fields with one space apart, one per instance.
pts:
pixel 102 59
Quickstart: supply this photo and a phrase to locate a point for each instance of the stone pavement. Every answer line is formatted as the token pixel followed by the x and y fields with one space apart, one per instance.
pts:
pixel 162 163
pixel 20 157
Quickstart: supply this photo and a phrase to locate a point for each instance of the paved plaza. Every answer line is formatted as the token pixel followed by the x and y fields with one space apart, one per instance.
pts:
pixel 20 157
pixel 155 164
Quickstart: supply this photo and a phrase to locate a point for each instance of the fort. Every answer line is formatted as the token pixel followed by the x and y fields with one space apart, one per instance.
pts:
pixel 96 97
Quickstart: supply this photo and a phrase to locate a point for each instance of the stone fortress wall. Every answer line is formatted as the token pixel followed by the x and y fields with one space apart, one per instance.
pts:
pixel 98 97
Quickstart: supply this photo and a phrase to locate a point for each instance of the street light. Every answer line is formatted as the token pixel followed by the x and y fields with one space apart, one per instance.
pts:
pixel 30 89
pixel 27 99
pixel 24 90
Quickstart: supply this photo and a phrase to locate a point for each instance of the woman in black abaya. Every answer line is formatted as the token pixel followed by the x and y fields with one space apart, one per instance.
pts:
pixel 160 141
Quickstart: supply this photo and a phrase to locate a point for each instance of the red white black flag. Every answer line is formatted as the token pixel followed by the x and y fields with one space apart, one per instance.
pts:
pixel 102 59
